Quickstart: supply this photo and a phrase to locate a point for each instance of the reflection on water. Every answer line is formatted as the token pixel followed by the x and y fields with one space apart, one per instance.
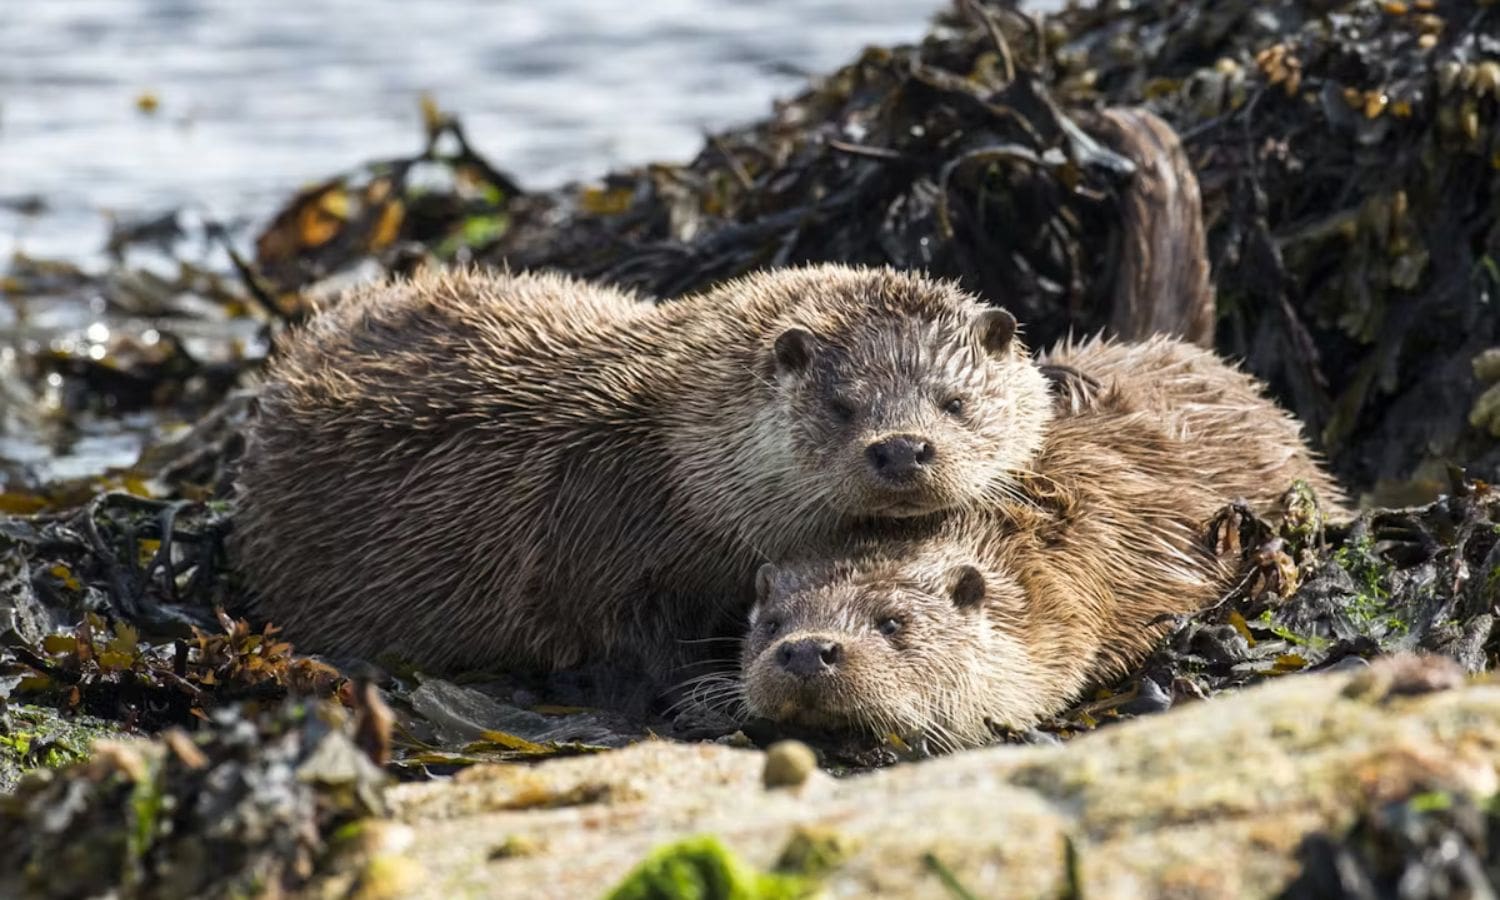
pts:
pixel 256 98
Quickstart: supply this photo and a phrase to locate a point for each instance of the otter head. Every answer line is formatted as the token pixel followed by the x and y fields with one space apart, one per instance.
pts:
pixel 931 648
pixel 896 409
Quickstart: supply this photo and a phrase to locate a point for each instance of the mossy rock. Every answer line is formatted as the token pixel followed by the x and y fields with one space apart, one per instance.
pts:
pixel 35 737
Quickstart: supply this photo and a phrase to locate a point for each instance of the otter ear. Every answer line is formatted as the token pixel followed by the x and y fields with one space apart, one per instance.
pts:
pixel 1073 391
pixel 765 576
pixel 795 348
pixel 966 586
pixel 995 328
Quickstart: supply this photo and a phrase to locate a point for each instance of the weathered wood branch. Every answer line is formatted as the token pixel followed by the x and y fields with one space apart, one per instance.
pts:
pixel 1163 278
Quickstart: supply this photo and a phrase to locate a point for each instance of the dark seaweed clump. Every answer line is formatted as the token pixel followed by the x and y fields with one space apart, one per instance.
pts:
pixel 1429 845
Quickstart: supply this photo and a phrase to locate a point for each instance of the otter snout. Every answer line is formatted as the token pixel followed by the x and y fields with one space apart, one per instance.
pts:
pixel 900 457
pixel 806 657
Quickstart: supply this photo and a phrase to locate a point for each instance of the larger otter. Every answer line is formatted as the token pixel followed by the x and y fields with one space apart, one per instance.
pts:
pixel 529 471
pixel 1002 617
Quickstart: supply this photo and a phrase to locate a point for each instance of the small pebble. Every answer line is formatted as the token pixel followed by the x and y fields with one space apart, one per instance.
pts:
pixel 788 764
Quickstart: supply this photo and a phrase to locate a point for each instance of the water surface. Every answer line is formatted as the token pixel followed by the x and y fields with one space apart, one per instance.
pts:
pixel 255 98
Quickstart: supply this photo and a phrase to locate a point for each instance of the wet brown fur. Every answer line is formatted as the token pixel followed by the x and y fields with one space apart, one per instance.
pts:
pixel 1219 415
pixel 529 471
pixel 1110 538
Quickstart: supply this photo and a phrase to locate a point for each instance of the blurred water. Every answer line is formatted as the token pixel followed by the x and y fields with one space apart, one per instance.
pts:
pixel 256 98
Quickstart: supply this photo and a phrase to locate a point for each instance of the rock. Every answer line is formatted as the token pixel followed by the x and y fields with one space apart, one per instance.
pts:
pixel 33 737
pixel 1212 799
pixel 789 764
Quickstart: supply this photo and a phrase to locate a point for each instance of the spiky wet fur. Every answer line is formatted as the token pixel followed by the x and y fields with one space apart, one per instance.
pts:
pixel 531 472
pixel 1109 536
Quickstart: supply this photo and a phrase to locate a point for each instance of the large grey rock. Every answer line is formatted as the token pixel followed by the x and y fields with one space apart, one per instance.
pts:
pixel 1210 800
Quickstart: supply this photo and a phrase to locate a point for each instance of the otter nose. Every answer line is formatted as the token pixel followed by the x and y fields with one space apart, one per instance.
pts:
pixel 809 656
pixel 900 457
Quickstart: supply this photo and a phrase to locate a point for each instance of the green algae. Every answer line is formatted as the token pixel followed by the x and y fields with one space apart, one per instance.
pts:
pixel 701 868
pixel 36 737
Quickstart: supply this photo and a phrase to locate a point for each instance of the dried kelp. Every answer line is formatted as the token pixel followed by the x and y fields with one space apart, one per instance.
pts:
pixel 111 611
pixel 937 157
pixel 444 199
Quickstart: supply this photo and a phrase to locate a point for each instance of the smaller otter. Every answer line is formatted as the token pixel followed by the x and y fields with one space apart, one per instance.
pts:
pixel 1000 618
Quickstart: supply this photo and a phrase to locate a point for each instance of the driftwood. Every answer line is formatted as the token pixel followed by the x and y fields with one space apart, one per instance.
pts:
pixel 1162 283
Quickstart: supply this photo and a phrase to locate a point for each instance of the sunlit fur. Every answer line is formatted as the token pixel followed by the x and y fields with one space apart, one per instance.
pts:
pixel 1217 413
pixel 530 471
pixel 1109 536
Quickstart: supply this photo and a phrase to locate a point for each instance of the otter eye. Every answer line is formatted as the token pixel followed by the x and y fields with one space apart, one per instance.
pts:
pixel 771 626
pixel 841 410
pixel 889 627
pixel 954 406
